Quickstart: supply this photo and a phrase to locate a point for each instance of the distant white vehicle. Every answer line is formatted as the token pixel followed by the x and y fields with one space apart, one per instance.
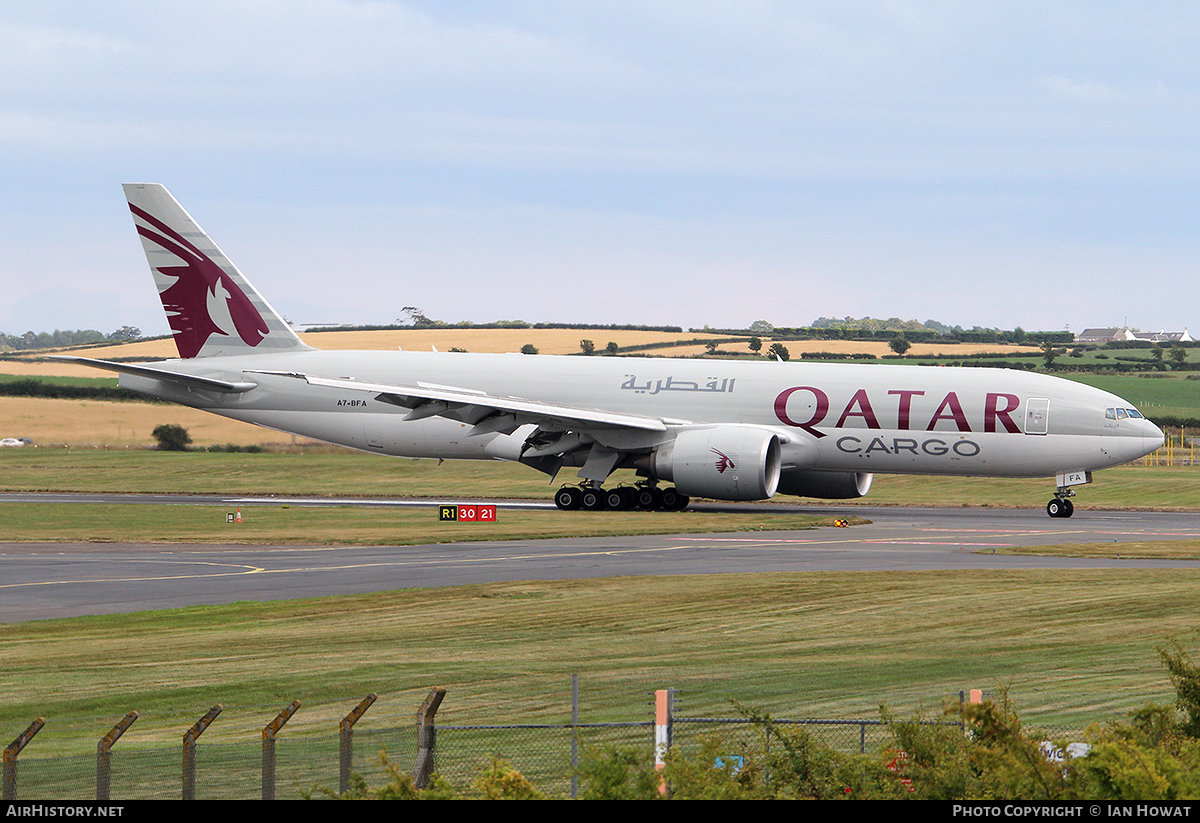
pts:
pixel 12 441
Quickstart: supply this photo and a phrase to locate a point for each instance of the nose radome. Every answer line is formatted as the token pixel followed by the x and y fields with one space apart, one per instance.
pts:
pixel 1152 437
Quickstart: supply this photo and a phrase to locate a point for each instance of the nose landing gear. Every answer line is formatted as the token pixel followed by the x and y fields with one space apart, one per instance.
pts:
pixel 1061 505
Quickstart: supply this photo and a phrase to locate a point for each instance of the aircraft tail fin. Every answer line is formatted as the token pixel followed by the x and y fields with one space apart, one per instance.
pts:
pixel 211 307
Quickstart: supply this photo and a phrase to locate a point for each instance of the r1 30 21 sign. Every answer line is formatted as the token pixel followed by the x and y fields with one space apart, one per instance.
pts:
pixel 467 514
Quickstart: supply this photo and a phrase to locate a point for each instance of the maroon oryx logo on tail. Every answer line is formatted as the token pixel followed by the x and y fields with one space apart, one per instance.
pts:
pixel 197 282
pixel 723 461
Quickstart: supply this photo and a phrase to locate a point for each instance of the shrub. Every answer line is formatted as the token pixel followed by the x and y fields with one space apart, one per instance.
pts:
pixel 171 438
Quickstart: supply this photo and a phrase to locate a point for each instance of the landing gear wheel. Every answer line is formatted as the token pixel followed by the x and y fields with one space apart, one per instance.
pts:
pixel 592 500
pixel 673 501
pixel 1060 508
pixel 620 499
pixel 568 498
pixel 649 498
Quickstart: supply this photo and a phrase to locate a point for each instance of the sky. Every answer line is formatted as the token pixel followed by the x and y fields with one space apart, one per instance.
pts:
pixel 690 163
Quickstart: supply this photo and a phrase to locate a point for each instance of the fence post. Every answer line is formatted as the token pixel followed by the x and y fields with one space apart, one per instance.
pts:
pixel 664 722
pixel 346 741
pixel 427 736
pixel 10 757
pixel 189 751
pixel 104 755
pixel 574 736
pixel 268 761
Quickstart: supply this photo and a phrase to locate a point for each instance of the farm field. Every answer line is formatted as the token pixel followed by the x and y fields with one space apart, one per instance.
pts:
pixel 547 341
pixel 1162 394
pixel 119 424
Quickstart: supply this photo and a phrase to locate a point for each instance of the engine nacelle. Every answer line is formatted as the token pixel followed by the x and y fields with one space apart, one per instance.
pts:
pixel 722 462
pixel 825 485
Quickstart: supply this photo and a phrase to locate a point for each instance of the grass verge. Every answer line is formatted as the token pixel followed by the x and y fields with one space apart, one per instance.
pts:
pixel 344 525
pixel 336 473
pixel 1074 647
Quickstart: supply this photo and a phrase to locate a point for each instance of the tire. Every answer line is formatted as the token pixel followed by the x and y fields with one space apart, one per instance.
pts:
pixel 648 498
pixel 618 499
pixel 568 499
pixel 592 500
pixel 670 500
pixel 1055 508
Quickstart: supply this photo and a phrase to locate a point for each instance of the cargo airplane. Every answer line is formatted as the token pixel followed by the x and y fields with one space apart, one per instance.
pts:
pixel 689 428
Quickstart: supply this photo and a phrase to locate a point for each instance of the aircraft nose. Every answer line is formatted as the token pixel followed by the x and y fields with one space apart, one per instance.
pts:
pixel 1152 437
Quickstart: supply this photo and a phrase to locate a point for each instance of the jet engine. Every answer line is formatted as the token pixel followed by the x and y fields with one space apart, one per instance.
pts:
pixel 825 485
pixel 722 463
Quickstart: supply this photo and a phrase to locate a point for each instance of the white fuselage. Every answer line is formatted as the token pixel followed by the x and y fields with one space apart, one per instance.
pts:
pixel 834 417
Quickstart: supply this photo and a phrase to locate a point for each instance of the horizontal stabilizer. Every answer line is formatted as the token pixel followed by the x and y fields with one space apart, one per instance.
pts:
pixel 208 383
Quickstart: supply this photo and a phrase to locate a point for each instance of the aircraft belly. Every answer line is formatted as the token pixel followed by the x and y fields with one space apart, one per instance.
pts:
pixel 378 433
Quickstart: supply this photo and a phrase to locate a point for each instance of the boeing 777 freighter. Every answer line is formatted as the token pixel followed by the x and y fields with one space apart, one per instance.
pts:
pixel 713 429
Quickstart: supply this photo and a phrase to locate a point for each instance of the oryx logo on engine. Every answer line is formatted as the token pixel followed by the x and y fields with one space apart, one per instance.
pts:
pixel 723 461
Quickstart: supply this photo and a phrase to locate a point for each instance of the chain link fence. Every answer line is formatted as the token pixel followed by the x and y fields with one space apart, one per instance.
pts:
pixel 546 754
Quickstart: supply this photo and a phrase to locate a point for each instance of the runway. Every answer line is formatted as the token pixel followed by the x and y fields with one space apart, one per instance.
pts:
pixel 48 580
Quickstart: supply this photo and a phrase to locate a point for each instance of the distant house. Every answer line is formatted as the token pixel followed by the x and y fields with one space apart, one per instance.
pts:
pixel 1101 336
pixel 1164 336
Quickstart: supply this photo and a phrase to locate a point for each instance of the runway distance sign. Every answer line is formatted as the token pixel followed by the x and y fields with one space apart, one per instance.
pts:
pixel 467 514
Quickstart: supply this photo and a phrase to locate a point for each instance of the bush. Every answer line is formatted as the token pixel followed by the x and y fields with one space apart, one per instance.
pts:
pixel 171 438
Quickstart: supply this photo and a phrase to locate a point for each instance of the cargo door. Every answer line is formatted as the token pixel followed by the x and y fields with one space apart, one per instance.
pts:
pixel 1037 415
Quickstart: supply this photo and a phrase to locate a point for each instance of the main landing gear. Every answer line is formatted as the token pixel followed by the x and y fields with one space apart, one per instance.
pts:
pixel 623 498
pixel 1061 505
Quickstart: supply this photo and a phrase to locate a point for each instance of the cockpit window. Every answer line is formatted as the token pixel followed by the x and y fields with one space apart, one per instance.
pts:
pixel 1122 414
pixel 1134 413
pixel 1111 414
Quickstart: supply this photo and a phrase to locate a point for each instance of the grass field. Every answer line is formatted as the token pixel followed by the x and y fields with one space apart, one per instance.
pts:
pixel 1074 647
pixel 1162 394
pixel 333 473
pixel 118 425
pixel 105 523
pixel 547 341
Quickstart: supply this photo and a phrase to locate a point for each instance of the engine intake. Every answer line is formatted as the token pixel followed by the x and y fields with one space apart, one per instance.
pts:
pixel 722 463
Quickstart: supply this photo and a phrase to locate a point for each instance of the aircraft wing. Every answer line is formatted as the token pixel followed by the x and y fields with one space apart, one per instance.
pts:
pixel 489 413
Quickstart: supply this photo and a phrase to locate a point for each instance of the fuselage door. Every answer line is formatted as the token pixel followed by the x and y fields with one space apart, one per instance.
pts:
pixel 1037 415
pixel 371 430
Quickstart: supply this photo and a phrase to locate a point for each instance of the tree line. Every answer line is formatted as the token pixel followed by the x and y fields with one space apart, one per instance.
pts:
pixel 66 337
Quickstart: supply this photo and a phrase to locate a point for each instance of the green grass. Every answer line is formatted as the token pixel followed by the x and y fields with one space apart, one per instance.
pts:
pixel 1131 550
pixel 51 522
pixel 94 382
pixel 1074 647
pixel 343 474
pixel 1164 394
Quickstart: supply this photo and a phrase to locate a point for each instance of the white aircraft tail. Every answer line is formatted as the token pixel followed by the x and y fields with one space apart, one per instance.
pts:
pixel 211 308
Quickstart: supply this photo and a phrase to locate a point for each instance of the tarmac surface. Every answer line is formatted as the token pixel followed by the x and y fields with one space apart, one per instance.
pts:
pixel 49 580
